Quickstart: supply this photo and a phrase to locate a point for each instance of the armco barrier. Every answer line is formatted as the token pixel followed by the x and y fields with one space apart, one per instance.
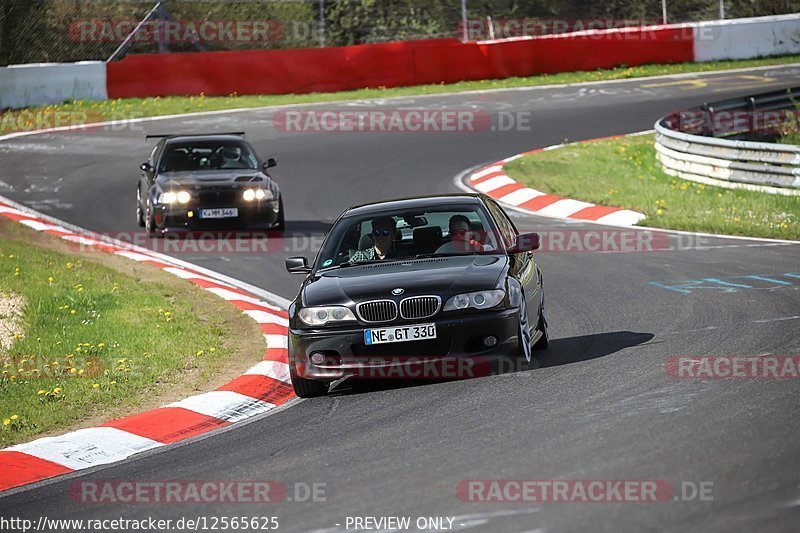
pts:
pixel 391 64
pixel 51 83
pixel 690 144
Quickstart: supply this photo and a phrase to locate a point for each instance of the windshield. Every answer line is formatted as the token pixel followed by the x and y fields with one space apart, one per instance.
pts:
pixel 445 230
pixel 208 155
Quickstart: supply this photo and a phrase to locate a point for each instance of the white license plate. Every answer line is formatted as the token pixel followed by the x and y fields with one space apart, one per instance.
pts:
pixel 416 332
pixel 221 212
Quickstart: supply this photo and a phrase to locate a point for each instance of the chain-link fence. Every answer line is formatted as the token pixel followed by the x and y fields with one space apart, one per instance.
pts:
pixel 33 31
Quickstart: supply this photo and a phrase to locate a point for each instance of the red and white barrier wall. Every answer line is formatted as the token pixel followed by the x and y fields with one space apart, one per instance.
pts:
pixel 398 63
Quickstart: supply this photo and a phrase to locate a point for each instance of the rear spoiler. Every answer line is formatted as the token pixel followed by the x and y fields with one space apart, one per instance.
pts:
pixel 163 135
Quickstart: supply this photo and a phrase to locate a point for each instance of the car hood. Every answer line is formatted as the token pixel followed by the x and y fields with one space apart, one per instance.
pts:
pixel 443 276
pixel 212 177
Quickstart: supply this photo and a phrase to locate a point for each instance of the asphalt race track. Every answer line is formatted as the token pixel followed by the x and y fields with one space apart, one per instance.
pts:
pixel 602 405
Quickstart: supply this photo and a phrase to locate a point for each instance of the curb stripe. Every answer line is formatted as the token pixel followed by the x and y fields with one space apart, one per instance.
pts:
pixel 260 389
pixel 20 469
pixel 493 181
pixel 594 212
pixel 274 369
pixel 226 405
pixel 87 447
pixel 167 424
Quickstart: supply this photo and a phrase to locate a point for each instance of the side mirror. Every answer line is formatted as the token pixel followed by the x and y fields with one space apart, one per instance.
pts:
pixel 526 242
pixel 147 167
pixel 269 163
pixel 297 265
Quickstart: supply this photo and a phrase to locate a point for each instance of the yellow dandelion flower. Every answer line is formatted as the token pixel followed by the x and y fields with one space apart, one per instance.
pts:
pixel 41 391
pixel 72 311
pixel 6 421
pixel 57 390
pixel 14 417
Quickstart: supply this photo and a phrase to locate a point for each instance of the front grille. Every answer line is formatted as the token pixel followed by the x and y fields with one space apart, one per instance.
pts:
pixel 419 306
pixel 213 197
pixel 377 311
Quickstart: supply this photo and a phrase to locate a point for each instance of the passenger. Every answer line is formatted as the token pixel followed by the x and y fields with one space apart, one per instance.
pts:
pixel 383 235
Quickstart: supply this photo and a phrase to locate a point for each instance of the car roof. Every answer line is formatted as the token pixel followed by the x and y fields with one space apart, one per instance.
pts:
pixel 417 202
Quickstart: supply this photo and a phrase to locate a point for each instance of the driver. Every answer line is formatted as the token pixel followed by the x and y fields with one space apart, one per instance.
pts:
pixel 462 237
pixel 383 235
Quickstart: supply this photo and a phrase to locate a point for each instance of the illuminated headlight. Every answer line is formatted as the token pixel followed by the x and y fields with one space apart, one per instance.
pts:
pixel 256 194
pixel 476 300
pixel 182 197
pixel 319 316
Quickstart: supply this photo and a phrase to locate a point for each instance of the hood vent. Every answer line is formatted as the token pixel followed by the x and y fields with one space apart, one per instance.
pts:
pixel 247 179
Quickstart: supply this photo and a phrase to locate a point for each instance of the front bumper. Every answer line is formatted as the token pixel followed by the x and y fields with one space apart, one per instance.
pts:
pixel 251 215
pixel 457 352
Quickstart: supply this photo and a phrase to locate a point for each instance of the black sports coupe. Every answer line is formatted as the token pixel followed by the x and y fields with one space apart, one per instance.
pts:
pixel 401 285
pixel 206 181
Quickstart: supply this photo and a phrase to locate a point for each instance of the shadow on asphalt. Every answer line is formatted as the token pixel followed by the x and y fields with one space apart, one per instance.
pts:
pixel 586 347
pixel 560 352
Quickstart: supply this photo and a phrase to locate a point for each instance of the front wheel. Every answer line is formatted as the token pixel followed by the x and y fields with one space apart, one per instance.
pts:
pixel 544 340
pixel 139 210
pixel 150 220
pixel 306 388
pixel 524 331
pixel 280 224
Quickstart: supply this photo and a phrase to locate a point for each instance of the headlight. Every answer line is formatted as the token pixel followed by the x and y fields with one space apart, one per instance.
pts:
pixel 476 300
pixel 174 197
pixel 256 194
pixel 319 316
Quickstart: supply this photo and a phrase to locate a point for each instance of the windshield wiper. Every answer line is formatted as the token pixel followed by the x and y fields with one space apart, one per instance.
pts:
pixel 355 263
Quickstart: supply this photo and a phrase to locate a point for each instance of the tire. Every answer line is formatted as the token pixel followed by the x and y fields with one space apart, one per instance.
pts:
pixel 150 221
pixel 306 388
pixel 139 211
pixel 544 340
pixel 280 224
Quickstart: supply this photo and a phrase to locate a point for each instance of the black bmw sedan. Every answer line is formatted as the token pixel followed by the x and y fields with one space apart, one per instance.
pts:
pixel 412 288
pixel 206 181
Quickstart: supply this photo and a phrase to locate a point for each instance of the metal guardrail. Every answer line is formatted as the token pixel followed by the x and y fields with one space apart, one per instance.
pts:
pixel 703 144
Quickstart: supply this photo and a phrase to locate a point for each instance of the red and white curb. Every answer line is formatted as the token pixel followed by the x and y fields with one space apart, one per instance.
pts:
pixel 493 181
pixel 262 388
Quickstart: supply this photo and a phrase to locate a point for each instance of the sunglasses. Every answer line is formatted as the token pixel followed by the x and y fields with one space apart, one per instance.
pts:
pixel 385 232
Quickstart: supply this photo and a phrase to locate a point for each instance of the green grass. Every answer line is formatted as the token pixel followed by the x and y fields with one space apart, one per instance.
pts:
pixel 623 172
pixel 97 342
pixel 144 107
